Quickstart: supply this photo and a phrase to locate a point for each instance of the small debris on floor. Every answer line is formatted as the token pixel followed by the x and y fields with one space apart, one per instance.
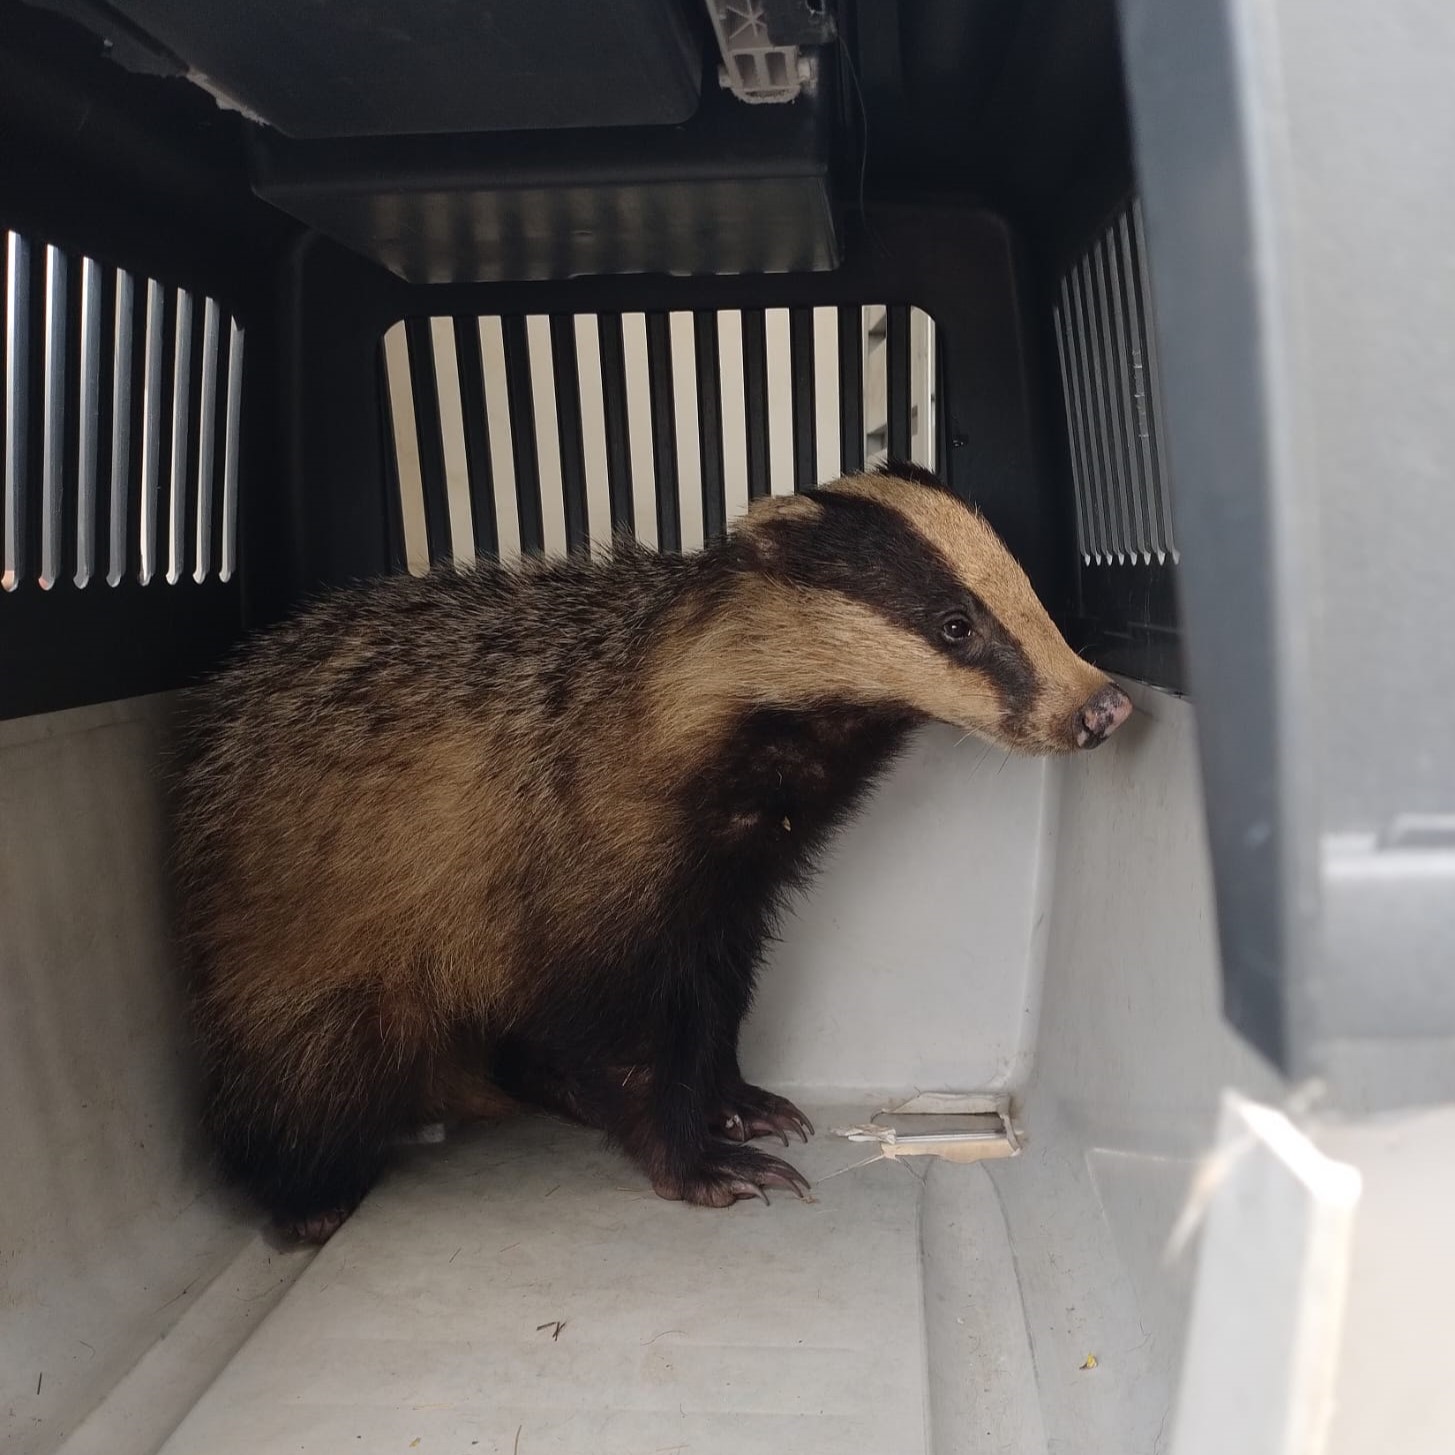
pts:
pixel 1090 1362
pixel 414 1443
pixel 554 1324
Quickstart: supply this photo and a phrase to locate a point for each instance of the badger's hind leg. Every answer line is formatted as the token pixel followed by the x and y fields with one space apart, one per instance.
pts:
pixel 460 1089
pixel 316 1229
pixel 304 1104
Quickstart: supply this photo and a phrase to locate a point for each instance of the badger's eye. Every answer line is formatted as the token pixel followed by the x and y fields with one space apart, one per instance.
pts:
pixel 955 626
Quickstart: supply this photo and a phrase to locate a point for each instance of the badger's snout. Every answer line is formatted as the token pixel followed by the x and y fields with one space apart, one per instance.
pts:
pixel 1102 715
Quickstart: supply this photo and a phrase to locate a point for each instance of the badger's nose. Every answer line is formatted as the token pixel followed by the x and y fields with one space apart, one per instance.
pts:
pixel 1102 716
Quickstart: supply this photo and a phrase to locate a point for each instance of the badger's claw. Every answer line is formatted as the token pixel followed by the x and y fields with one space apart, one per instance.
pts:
pixel 730 1174
pixel 749 1111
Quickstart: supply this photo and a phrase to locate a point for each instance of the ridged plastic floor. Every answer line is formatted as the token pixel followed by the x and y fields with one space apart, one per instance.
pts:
pixel 521 1290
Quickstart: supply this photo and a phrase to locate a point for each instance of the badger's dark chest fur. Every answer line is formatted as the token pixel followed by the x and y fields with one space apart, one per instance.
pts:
pixel 787 779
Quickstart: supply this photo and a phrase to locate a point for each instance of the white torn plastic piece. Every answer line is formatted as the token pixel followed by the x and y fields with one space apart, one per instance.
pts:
pixel 1263 1338
pixel 1215 1168
pixel 957 1128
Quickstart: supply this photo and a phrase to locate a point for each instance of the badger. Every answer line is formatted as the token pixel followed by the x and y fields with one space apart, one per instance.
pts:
pixel 452 845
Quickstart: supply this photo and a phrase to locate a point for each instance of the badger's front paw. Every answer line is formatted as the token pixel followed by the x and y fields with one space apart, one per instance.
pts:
pixel 749 1111
pixel 727 1175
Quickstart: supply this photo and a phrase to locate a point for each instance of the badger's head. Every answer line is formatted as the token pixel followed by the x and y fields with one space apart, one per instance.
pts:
pixel 901 594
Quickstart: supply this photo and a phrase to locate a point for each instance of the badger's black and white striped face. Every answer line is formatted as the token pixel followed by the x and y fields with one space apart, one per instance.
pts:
pixel 917 601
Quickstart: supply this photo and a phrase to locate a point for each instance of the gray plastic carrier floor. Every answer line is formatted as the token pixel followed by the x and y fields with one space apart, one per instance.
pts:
pixel 521 1289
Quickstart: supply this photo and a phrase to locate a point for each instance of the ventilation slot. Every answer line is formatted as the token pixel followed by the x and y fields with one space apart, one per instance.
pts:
pixel 1107 348
pixel 122 402
pixel 549 434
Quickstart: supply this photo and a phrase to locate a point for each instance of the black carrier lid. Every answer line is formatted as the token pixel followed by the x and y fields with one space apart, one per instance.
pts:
pixel 336 68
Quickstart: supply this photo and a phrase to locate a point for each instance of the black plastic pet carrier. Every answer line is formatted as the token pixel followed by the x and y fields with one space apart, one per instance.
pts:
pixel 1132 1073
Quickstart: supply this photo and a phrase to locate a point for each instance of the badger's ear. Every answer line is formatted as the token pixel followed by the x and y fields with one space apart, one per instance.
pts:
pixel 915 474
pixel 766 509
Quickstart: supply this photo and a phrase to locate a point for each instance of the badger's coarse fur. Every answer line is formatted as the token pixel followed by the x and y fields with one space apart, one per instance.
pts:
pixel 455 843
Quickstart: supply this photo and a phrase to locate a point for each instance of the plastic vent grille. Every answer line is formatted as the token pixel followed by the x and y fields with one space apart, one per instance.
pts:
pixel 120 425
pixel 553 433
pixel 1108 355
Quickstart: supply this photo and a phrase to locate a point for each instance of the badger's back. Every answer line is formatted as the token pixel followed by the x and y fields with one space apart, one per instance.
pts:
pixel 402 739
